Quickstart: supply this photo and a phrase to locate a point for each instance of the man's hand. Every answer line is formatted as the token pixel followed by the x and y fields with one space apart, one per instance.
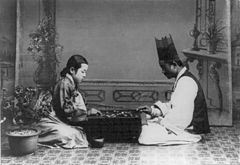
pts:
pixel 94 111
pixel 145 108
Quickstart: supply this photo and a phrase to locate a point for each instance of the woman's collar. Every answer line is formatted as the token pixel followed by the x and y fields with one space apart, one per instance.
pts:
pixel 70 78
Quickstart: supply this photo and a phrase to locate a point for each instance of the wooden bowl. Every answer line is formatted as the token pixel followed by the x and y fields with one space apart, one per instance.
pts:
pixel 97 142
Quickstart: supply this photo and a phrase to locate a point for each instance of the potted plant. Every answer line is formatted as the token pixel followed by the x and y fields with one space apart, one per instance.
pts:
pixel 23 110
pixel 45 50
pixel 214 36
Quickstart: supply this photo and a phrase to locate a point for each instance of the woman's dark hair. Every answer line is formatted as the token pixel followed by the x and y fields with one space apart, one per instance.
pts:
pixel 74 61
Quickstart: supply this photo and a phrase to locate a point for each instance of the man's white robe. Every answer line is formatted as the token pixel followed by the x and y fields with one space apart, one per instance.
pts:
pixel 177 116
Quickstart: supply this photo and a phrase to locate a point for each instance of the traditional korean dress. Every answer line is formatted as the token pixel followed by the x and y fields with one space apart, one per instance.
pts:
pixel 68 106
pixel 186 109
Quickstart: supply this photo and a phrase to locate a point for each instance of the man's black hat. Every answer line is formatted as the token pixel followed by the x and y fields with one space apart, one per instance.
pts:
pixel 166 49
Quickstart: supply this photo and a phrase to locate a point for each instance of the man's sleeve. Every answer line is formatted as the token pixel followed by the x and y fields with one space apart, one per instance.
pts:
pixel 163 107
pixel 182 103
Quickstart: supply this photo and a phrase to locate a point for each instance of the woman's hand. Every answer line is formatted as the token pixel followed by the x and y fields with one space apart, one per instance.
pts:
pixel 94 111
pixel 79 115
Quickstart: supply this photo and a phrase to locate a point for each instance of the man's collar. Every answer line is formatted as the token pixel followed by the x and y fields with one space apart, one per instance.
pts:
pixel 182 71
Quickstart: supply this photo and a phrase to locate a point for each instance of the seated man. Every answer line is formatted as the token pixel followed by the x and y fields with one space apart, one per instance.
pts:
pixel 167 122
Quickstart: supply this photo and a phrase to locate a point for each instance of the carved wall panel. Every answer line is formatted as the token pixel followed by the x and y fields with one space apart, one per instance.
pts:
pixel 135 96
pixel 94 95
pixel 215 79
pixel 125 94
pixel 235 44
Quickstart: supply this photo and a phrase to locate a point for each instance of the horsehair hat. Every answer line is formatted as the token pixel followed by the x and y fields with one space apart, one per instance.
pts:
pixel 166 49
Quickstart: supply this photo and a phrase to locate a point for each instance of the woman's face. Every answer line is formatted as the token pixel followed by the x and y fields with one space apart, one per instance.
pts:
pixel 80 74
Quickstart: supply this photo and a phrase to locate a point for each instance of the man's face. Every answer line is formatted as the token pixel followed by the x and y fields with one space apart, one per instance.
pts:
pixel 168 70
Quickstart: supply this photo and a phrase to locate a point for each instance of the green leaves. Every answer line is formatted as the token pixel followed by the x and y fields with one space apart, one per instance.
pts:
pixel 26 106
pixel 43 42
pixel 215 32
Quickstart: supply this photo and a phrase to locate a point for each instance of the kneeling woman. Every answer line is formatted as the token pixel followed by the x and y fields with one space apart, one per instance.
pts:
pixel 68 107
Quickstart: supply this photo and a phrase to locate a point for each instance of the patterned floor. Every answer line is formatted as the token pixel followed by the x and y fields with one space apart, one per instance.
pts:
pixel 220 147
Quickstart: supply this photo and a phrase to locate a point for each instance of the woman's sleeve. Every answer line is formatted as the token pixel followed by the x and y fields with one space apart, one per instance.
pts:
pixel 78 102
pixel 66 101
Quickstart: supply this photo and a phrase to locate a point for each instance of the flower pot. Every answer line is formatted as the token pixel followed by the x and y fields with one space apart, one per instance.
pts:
pixel 212 47
pixel 23 141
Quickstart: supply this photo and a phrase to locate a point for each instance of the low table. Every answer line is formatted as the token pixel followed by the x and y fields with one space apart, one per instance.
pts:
pixel 115 126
